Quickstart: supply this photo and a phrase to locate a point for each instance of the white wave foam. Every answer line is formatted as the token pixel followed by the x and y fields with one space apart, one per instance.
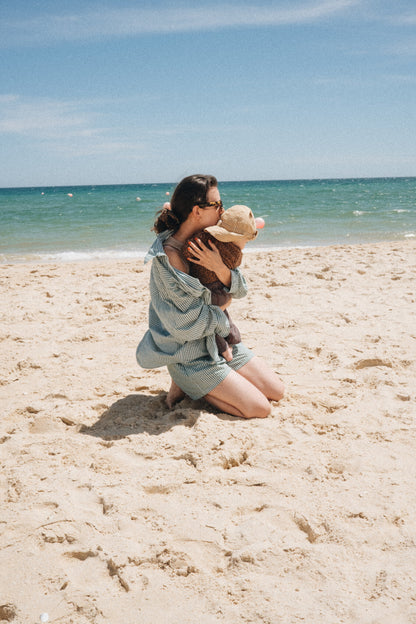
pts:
pixel 74 256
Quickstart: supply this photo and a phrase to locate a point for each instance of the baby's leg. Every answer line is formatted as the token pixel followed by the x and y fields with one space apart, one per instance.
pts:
pixel 224 348
pixel 234 337
pixel 227 354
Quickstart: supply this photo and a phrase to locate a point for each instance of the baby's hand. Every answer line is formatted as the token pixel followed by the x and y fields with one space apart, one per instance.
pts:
pixel 227 354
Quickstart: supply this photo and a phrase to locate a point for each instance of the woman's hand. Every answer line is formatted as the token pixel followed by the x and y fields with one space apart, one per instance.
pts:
pixel 210 258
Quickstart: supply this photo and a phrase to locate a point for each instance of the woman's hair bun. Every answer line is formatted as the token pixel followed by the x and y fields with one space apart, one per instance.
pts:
pixel 166 220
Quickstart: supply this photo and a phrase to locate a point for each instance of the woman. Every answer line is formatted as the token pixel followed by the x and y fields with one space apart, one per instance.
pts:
pixel 182 321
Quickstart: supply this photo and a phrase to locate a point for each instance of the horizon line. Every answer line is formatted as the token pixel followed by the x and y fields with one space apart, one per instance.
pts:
pixel 301 179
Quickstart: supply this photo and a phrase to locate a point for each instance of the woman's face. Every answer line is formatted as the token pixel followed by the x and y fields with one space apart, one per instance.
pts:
pixel 211 214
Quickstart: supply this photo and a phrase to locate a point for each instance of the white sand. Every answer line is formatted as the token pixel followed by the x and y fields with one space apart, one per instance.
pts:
pixel 115 510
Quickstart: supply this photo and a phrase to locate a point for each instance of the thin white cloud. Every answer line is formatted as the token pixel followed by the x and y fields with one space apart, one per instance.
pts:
pixel 67 128
pixel 47 118
pixel 41 117
pixel 7 98
pixel 124 22
pixel 405 49
pixel 405 20
pixel 100 146
pixel 401 78
pixel 359 82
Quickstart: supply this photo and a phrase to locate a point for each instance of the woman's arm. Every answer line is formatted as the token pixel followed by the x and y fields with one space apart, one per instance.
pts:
pixel 211 259
pixel 184 308
pixel 238 288
pixel 177 261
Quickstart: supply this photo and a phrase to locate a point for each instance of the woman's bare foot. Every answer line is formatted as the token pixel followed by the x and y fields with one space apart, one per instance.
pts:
pixel 227 354
pixel 174 395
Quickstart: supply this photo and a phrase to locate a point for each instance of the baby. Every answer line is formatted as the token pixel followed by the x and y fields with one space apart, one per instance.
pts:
pixel 236 227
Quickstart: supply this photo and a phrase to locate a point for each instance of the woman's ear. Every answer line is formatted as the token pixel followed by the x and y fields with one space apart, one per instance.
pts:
pixel 196 212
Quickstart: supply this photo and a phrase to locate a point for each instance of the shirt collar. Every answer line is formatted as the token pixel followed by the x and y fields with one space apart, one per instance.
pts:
pixel 157 247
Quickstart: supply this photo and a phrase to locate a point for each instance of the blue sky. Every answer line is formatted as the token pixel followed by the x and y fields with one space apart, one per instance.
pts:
pixel 128 92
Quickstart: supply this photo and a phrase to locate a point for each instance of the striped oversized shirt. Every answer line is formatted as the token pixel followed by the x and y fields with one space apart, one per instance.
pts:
pixel 182 320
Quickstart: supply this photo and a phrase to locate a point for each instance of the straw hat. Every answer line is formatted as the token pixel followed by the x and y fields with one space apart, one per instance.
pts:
pixel 236 223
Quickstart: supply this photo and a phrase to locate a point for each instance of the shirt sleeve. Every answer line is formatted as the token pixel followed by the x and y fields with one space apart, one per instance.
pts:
pixel 196 321
pixel 181 306
pixel 238 287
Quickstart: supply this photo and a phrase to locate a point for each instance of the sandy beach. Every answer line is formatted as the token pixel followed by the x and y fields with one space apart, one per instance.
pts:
pixel 116 510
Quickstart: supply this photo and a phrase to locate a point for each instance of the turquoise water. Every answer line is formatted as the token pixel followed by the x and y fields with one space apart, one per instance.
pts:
pixel 82 222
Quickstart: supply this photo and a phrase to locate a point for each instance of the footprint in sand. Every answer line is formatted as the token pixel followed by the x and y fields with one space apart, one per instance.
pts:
pixel 8 612
pixel 305 525
pixel 81 555
pixel 234 460
pixel 372 362
pixel 115 570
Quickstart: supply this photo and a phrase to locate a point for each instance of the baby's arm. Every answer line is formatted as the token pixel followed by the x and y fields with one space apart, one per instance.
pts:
pixel 219 296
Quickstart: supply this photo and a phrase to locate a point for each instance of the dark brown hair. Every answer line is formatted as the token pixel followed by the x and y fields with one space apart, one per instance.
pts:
pixel 188 193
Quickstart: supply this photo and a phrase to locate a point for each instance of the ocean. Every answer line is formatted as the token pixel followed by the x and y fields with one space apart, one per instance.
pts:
pixel 43 224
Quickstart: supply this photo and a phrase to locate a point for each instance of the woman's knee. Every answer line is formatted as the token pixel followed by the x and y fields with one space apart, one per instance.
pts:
pixel 237 395
pixel 278 391
pixel 258 409
pixel 263 378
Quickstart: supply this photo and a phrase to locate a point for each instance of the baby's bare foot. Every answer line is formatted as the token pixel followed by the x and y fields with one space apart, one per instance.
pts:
pixel 174 395
pixel 227 354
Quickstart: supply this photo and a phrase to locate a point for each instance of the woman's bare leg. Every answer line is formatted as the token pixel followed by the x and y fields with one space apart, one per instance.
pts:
pixel 239 397
pixel 257 372
pixel 174 395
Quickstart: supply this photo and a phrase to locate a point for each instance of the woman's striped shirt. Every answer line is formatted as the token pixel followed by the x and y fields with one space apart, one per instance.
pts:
pixel 182 321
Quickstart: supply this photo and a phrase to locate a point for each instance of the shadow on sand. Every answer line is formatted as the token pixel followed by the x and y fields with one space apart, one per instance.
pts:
pixel 139 413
